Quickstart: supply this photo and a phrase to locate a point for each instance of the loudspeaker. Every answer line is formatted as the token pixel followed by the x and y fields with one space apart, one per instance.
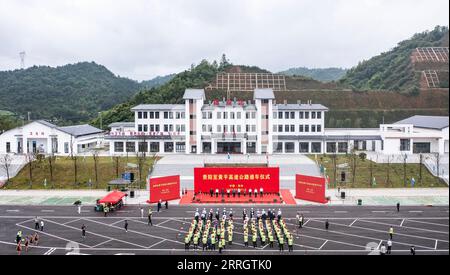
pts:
pixel 343 176
pixel 342 195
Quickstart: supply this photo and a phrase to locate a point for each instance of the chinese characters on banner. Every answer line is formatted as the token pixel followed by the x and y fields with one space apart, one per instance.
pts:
pixel 244 178
pixel 164 189
pixel 310 188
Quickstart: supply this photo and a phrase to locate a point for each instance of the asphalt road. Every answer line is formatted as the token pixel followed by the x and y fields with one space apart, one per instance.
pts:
pixel 353 230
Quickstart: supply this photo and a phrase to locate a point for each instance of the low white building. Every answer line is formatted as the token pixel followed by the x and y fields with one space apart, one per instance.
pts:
pixel 46 138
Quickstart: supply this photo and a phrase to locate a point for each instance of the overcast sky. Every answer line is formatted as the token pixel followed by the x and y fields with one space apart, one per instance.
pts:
pixel 141 39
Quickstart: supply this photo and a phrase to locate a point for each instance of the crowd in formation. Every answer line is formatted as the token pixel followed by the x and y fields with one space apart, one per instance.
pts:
pixel 214 230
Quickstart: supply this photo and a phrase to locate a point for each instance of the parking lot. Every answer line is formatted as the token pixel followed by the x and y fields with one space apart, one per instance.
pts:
pixel 353 230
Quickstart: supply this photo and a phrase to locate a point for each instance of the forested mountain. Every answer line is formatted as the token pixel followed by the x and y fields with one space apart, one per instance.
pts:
pixel 157 81
pixel 324 75
pixel 68 94
pixel 393 70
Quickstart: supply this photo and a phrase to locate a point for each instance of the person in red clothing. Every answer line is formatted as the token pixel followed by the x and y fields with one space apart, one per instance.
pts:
pixel 19 248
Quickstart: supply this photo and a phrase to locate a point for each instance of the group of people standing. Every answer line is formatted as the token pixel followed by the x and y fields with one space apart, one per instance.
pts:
pixel 26 241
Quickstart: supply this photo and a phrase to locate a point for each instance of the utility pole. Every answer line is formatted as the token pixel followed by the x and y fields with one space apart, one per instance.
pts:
pixel 28 115
pixel 101 120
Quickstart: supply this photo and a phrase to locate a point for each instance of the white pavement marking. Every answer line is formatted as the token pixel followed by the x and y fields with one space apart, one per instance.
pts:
pixel 13 210
pixel 416 211
pixel 320 248
pixel 71 221
pixel 340 212
pixel 436 244
pixel 403 221
pixel 379 245
pixel 163 222
pixel 415 228
pixel 50 251
pixel 137 232
pixel 306 222
pixel 361 237
pixel 153 245
pixel 47 211
pixel 102 243
pixel 354 222
pixel 119 221
pixel 431 223
pixel 379 211
pixel 51 235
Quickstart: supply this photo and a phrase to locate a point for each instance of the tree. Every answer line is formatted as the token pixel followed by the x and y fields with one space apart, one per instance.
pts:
pixel 353 165
pixel 116 162
pixel 30 157
pixel 51 161
pixel 224 62
pixel 95 156
pixel 75 168
pixel 5 163
pixel 334 160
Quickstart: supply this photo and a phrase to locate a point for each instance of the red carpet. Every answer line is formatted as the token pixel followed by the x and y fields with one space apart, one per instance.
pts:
pixel 286 195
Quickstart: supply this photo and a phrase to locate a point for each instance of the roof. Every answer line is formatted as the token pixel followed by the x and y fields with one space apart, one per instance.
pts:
pixel 194 94
pixel 145 107
pixel 263 94
pixel 120 124
pixel 300 107
pixel 113 197
pixel 429 122
pixel 80 130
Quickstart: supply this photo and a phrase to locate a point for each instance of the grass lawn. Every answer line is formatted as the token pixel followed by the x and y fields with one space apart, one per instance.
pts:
pixel 64 176
pixel 379 171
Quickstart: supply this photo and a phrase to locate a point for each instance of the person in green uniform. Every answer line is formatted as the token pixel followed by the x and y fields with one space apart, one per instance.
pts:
pixel 281 243
pixel 205 242
pixel 186 243
pixel 271 241
pixel 291 244
pixel 213 242
pixel 254 239
pixel 220 246
pixel 246 240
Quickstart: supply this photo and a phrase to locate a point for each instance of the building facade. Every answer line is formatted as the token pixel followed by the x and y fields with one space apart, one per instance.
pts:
pixel 263 126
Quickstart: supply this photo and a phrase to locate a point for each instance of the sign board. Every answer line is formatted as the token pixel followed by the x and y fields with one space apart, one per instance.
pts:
pixel 164 189
pixel 310 188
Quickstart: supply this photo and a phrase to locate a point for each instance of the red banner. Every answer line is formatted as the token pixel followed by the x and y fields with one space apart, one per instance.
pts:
pixel 310 188
pixel 164 189
pixel 244 178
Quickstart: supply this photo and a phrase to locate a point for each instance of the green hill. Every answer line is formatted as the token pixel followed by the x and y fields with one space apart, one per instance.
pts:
pixel 157 81
pixel 324 75
pixel 68 94
pixel 393 70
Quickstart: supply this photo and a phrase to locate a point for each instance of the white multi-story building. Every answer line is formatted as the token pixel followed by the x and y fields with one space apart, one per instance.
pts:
pixel 262 126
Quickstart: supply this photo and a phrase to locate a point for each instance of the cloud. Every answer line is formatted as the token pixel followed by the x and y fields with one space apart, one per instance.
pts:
pixel 141 39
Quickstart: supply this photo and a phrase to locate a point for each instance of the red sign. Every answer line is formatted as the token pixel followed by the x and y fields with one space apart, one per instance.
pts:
pixel 164 189
pixel 243 178
pixel 310 188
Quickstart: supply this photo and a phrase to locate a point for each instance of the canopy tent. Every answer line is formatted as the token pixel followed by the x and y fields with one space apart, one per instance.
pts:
pixel 113 197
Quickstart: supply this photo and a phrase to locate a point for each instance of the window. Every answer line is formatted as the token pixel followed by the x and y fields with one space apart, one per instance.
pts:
pixel 239 128
pixel 143 147
pixel 219 115
pixel 157 128
pixel 238 115
pixel 118 147
pixel 405 144
pixel 275 128
pixel 131 147
pixel 168 147
pixel 170 115
pixel 301 114
pixel 319 115
pixel 289 147
pixel 253 115
pixel 275 115
pixel 171 128
pixel 292 115
pixel 8 147
pixel 145 128
pixel 306 128
pixel 331 147
pixel 280 115
pixel 319 128
pixel 152 128
pixel 166 128
pixel 232 115
pixel 145 115
pixel 313 115
pixel 278 147
pixel 156 115
pixel 307 115
pixel 183 128
pixel 280 128
pixel 342 147
pixel 210 115
pixel 166 115
pixel 293 128
pixel 316 147
pixel 301 129
pixel 152 115
pixel 286 128
pixel 225 128
pixel 253 128
pixel 225 115
pixel 313 128
pixel 203 128
pixel 139 115
pixel 286 115
pixel 183 115
pixel 219 129
pixel 154 147
pixel 66 147
pixel 180 147
pixel 204 115
pixel 140 128
pixel 210 128
pixel 304 147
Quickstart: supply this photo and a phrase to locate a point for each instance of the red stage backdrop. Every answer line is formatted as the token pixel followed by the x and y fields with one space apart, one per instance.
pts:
pixel 243 178
pixel 164 188
pixel 310 188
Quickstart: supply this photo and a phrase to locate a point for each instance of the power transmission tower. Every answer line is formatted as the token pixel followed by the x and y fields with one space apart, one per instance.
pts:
pixel 22 59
